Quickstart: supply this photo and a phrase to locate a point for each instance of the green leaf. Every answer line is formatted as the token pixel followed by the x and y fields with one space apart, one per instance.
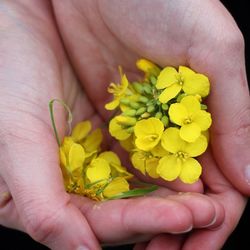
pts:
pixel 134 193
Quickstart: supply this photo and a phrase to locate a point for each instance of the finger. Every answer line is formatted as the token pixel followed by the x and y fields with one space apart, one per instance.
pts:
pixel 166 241
pixel 229 100
pixel 8 214
pixel 128 219
pixel 38 192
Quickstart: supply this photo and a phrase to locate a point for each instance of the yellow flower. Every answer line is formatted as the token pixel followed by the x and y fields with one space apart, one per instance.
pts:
pixel 118 91
pixel 185 79
pixel 145 162
pixel 115 164
pixel 148 68
pixel 180 162
pixel 148 133
pixel 118 127
pixel 72 155
pixel 190 117
pixel 115 187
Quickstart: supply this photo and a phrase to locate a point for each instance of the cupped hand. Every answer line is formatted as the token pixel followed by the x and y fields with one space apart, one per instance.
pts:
pixel 36 66
pixel 200 34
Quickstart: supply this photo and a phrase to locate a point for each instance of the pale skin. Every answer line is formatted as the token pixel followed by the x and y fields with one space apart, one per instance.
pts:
pixel 73 56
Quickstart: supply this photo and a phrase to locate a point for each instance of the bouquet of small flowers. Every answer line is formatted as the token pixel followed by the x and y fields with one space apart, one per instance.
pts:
pixel 160 120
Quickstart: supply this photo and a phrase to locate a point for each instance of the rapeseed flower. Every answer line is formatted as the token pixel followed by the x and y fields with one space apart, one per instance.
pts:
pixel 190 117
pixel 148 133
pixel 173 81
pixel 180 162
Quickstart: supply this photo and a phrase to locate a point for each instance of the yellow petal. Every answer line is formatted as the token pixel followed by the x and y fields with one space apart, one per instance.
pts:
pixel 116 186
pixel 110 157
pixel 93 141
pixel 159 151
pixel 166 78
pixel 171 140
pixel 185 71
pixel 196 84
pixel 128 144
pixel 66 145
pixel 63 159
pixel 148 133
pixel 98 170
pixel 170 92
pixel 139 161
pixel 178 113
pixel 203 119
pixel 190 132
pixel 169 168
pixel 191 104
pixel 76 157
pixel 112 105
pixel 117 131
pixel 81 130
pixel 191 171
pixel 148 67
pixel 151 166
pixel 197 147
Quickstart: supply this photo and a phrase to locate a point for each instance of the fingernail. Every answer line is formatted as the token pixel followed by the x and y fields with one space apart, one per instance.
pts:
pixel 82 248
pixel 247 174
pixel 184 231
pixel 211 223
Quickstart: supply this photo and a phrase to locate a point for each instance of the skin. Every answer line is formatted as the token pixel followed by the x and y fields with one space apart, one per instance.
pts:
pixel 70 50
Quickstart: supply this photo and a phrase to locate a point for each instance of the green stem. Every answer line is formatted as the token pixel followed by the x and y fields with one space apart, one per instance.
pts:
pixel 51 105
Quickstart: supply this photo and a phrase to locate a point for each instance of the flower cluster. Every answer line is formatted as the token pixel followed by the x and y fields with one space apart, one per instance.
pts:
pixel 88 171
pixel 162 121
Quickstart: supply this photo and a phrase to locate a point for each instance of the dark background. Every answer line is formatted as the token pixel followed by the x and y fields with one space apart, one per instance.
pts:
pixel 15 240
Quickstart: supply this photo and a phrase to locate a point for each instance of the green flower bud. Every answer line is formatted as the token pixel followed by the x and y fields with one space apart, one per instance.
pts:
pixel 129 112
pixel 147 89
pixel 153 80
pixel 151 108
pixel 141 110
pixel 134 105
pixel 130 130
pixel 164 106
pixel 158 115
pixel 165 120
pixel 143 99
pixel 158 102
pixel 145 115
pixel 138 87
pixel 124 101
pixel 203 106
pixel 179 97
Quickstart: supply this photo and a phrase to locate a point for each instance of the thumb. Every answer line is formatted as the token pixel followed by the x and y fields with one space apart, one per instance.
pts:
pixel 229 101
pixel 34 179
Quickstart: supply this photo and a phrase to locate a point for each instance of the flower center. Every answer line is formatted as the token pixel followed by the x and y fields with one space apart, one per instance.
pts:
pixel 180 79
pixel 187 120
pixel 151 137
pixel 181 155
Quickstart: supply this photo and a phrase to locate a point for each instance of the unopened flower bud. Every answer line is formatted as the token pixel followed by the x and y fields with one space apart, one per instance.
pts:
pixel 147 89
pixel 126 120
pixel 151 108
pixel 164 106
pixel 140 111
pixel 158 115
pixel 143 99
pixel 145 115
pixel 165 120
pixel 153 80
pixel 124 101
pixel 134 105
pixel 129 112
pixel 138 87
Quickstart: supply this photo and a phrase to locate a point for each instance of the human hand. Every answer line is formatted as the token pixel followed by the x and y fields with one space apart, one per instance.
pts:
pixel 35 69
pixel 201 35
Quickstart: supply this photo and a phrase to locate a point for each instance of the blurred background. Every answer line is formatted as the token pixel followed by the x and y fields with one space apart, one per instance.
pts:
pixel 15 240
